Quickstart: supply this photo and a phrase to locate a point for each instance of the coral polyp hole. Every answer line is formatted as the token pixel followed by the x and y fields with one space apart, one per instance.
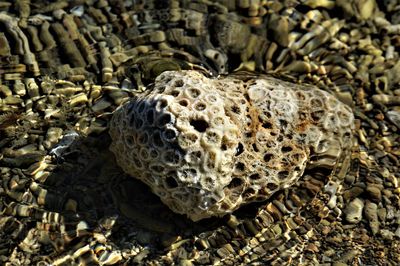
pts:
pixel 169 134
pixel 130 141
pixel 194 93
pixel 175 93
pixel 296 157
pixel 316 103
pixel 302 115
pixel 212 98
pixel 268 157
pixel 132 120
pixel 240 166
pixel 267 125
pixel 255 148
pixel 286 149
pixel 171 182
pixel 283 174
pixel 157 141
pixel 138 123
pixel 157 168
pixel 164 119
pixel 317 115
pixel 199 124
pixel 255 176
pixel 209 181
pixel 141 107
pixel 235 109
pixel 249 192
pixel 178 83
pixel 272 186
pixel 239 149
pixel 183 103
pixel 161 89
pixel 144 138
pixel 150 117
pixel 162 104
pixel 200 106
pixel 283 123
pixel 212 137
pixel 236 182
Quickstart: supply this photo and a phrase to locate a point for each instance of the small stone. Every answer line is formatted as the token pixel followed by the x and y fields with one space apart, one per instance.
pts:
pixel 394 117
pixel 390 212
pixel 330 252
pixel 388 193
pixel 185 262
pixel 374 192
pixel 345 97
pixel 352 193
pixel 386 234
pixel 371 213
pixel 354 210
pixel 338 263
pixel 397 233
pixel 312 248
pixel 348 256
pixel 386 99
pixel 350 179
pixel 382 214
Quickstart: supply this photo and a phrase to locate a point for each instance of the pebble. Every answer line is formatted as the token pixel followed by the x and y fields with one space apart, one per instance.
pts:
pixel 348 256
pixel 386 99
pixel 371 213
pixel 100 105
pixel 391 212
pixel 394 117
pixel 387 235
pixel 354 210
pixel 374 192
pixel 338 263
pixel 397 233
pixel 185 262
pixel 387 193
pixel 52 136
pixel 382 213
pixel 352 193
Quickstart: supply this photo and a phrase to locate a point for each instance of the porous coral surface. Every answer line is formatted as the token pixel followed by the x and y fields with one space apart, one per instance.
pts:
pixel 207 146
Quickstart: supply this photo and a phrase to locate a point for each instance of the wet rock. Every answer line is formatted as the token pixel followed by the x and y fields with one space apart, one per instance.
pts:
pixel 353 211
pixel 397 233
pixel 386 234
pixel 394 117
pixel 371 213
pixel 374 192
pixel 382 213
pixel 352 193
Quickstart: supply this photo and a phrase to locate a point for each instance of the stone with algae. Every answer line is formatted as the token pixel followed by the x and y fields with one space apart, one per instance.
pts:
pixel 206 146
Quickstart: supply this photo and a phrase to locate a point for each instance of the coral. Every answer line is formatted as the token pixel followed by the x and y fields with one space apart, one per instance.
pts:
pixel 207 146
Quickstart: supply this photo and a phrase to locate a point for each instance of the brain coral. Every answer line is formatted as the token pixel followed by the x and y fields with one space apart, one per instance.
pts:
pixel 207 146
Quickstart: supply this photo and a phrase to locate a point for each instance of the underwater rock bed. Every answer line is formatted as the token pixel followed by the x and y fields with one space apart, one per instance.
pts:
pixel 66 66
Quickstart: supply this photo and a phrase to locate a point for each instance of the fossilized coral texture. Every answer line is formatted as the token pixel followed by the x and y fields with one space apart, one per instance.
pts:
pixel 207 146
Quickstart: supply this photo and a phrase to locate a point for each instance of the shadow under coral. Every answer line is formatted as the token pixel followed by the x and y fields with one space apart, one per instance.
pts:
pixel 87 187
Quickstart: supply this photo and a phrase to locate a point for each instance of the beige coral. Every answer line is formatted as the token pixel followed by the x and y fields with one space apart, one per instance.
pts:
pixel 207 146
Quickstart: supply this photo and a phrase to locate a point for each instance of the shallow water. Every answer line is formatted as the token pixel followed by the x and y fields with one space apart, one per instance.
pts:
pixel 66 66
